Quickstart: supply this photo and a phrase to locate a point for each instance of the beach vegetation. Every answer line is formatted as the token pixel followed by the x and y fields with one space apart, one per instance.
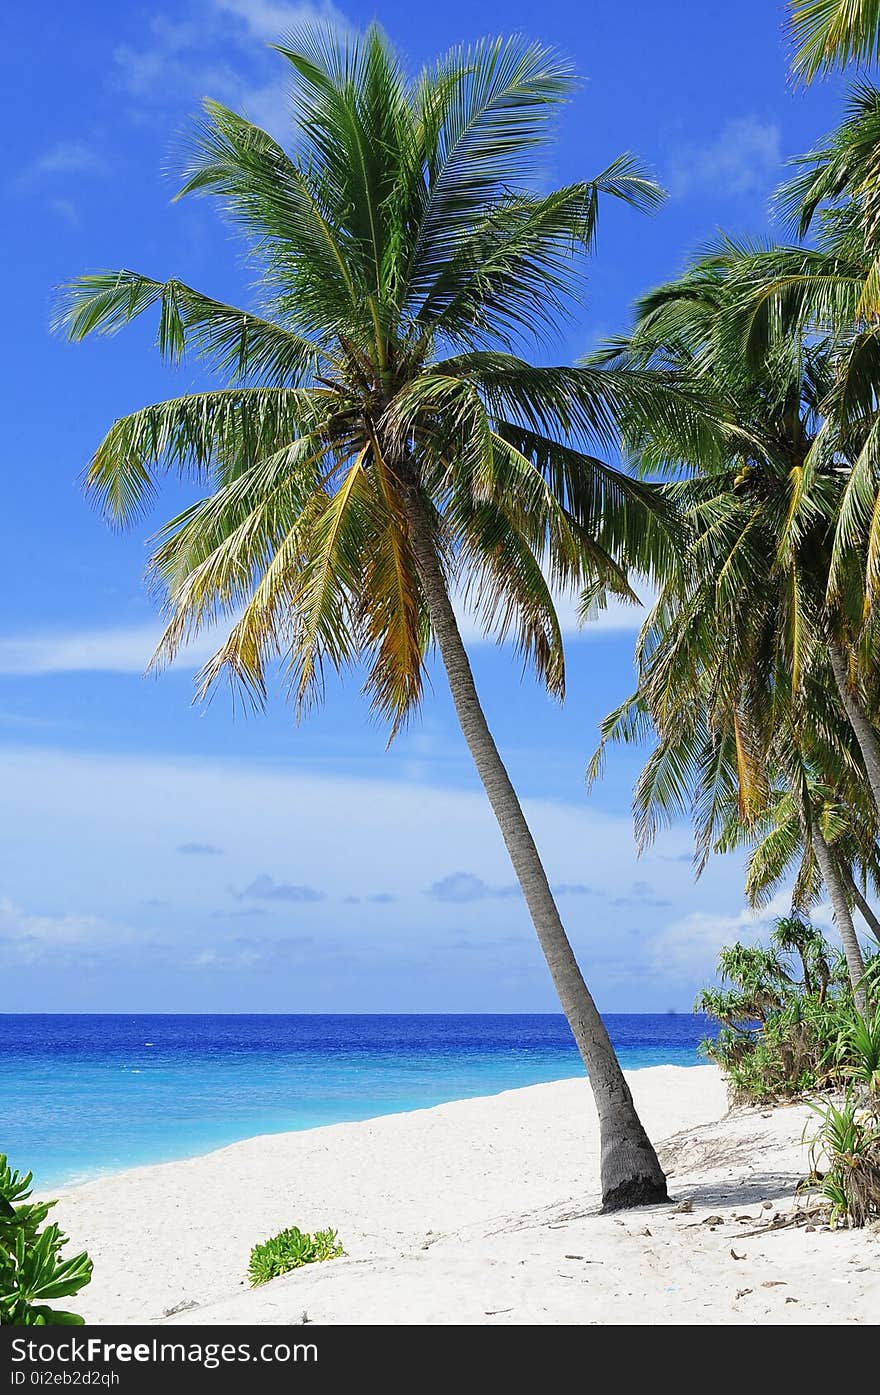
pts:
pixel 291 1249
pixel 385 438
pixel 845 1162
pixel 787 1019
pixel 33 1272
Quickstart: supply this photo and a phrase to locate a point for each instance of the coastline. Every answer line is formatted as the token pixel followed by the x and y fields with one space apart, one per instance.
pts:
pixel 134 1091
pixel 481 1211
pixel 59 1189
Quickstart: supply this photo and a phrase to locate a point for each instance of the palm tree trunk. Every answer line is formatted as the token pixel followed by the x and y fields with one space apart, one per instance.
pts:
pixel 866 735
pixel 869 915
pixel 630 1172
pixel 842 917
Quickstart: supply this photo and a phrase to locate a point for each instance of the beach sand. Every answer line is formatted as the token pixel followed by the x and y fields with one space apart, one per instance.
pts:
pixel 482 1211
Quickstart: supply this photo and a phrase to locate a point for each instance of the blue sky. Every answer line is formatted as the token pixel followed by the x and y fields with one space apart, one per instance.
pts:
pixel 161 857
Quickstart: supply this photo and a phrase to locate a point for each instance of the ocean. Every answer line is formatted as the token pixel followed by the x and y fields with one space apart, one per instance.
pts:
pixel 85 1095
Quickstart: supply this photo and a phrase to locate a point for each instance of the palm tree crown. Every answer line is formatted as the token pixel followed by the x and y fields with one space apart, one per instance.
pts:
pixel 402 252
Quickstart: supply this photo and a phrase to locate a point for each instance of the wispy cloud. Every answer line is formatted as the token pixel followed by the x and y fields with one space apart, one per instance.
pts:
pixel 744 158
pixel 245 952
pixel 641 893
pixel 270 19
pixel 264 888
pixel 199 850
pixel 67 210
pixel 619 617
pixel 111 650
pixel 461 887
pixel 129 649
pixel 398 838
pixel 689 945
pixel 68 157
pixel 218 48
pixel 28 936
pixel 177 62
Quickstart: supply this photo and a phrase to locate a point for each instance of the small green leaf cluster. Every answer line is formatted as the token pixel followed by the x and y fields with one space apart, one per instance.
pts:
pixel 291 1249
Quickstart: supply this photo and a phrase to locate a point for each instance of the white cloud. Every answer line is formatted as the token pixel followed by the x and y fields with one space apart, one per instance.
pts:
pixel 66 209
pixel 744 158
pixel 271 19
pixel 618 616
pixel 29 936
pixel 280 817
pixel 67 158
pixel 168 70
pixel 689 945
pixel 70 157
pixel 122 650
pixel 128 649
pixel 218 49
pixel 109 826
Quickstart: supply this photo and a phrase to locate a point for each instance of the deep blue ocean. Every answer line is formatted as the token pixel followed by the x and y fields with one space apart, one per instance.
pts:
pixel 84 1095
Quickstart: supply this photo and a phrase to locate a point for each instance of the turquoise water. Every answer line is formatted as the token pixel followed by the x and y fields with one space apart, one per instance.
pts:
pixel 85 1095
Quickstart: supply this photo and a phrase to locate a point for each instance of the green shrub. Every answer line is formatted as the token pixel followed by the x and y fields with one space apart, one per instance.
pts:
pixel 787 1019
pixel 848 1144
pixel 857 1051
pixel 291 1249
pixel 32 1271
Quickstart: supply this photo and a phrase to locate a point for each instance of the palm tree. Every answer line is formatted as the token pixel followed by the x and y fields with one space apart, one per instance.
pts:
pixel 779 848
pixel 704 765
pixel 379 441
pixel 737 660
pixel 759 981
pixel 792 935
pixel 831 293
pixel 832 33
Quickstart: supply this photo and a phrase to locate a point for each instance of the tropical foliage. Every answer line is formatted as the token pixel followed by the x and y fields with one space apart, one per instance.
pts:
pixel 757 672
pixel 33 1272
pixel 400 255
pixel 845 1162
pixel 752 667
pixel 787 1019
pixel 830 34
pixel 291 1249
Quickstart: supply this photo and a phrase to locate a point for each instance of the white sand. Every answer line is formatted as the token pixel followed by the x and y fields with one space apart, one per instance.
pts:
pixel 482 1211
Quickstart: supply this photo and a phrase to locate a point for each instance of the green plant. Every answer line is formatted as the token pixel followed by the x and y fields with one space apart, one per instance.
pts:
pixel 857 1051
pixel 787 1019
pixel 291 1249
pixel 32 1271
pixel 848 1144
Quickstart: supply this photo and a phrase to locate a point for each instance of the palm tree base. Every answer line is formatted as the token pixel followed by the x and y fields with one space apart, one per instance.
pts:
pixel 636 1191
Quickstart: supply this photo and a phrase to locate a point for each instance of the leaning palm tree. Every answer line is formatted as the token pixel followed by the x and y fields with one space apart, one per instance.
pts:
pixel 379 443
